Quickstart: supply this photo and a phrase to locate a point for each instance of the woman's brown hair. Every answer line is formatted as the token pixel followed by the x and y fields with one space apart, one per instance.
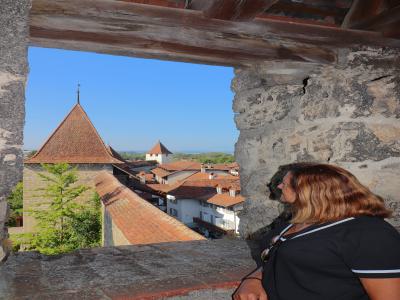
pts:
pixel 328 193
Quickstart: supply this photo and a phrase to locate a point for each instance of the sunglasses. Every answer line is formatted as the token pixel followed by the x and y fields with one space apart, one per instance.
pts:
pixel 266 253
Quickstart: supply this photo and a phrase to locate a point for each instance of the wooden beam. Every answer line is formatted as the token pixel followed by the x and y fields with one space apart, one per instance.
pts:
pixel 231 9
pixel 361 11
pixel 377 16
pixel 121 28
pixel 308 9
pixel 296 20
pixel 165 3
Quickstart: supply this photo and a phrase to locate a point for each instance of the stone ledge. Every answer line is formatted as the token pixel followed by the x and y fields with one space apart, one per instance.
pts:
pixel 179 270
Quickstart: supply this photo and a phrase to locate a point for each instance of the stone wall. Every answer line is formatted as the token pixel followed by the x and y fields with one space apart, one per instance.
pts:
pixel 111 234
pixel 194 270
pixel 32 182
pixel 13 72
pixel 347 114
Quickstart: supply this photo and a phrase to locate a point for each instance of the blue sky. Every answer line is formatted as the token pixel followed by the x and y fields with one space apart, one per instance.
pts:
pixel 132 102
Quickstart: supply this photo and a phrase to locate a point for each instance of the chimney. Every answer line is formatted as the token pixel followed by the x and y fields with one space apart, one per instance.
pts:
pixel 211 176
pixel 142 177
pixel 202 168
pixel 219 189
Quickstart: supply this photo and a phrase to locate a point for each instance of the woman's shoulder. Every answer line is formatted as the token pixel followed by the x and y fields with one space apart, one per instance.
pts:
pixel 369 229
pixel 370 223
pixel 371 247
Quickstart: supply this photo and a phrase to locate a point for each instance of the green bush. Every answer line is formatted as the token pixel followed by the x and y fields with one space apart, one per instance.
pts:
pixel 15 200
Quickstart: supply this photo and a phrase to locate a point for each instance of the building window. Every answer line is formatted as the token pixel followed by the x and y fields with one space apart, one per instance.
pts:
pixel 201 215
pixel 212 219
pixel 173 212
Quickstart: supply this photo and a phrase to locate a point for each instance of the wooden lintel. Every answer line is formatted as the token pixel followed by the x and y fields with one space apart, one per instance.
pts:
pixel 165 3
pixel 132 29
pixel 378 17
pixel 231 9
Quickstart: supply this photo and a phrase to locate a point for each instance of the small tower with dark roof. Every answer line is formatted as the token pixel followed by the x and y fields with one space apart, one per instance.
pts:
pixel 159 153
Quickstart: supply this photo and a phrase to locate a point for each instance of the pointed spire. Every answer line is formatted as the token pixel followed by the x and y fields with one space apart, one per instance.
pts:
pixel 77 92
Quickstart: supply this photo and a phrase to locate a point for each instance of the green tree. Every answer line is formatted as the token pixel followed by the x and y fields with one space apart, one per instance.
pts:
pixel 86 224
pixel 31 153
pixel 58 211
pixel 15 201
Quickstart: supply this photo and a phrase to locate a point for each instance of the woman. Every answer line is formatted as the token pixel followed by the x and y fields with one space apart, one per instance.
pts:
pixel 337 245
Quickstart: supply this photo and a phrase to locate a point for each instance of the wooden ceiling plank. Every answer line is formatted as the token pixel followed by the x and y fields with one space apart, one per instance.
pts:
pixel 239 10
pixel 326 3
pixel 126 34
pixel 296 20
pixel 361 11
pixel 164 3
pixel 378 16
pixel 308 9
pixel 382 21
pixel 185 35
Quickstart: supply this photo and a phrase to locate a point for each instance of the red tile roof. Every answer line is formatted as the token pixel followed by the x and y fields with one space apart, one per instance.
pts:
pixel 159 148
pixel 148 177
pixel 141 163
pixel 115 154
pixel 193 190
pixel 75 140
pixel 205 176
pixel 225 200
pixel 138 220
pixel 165 188
pixel 160 172
pixel 193 165
pixel 181 165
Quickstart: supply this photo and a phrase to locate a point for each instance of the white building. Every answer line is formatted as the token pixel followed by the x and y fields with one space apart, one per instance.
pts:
pixel 159 153
pixel 213 210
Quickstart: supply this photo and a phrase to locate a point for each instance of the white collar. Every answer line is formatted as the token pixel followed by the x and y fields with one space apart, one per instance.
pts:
pixel 311 231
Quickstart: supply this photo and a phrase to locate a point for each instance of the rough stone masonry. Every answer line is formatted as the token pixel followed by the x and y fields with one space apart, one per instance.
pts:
pixel 13 72
pixel 347 114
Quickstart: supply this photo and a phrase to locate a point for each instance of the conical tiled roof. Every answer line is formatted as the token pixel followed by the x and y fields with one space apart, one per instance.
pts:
pixel 159 148
pixel 74 141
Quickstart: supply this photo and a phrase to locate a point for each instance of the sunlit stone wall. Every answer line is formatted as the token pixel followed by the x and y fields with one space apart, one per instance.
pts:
pixel 13 72
pixel 347 114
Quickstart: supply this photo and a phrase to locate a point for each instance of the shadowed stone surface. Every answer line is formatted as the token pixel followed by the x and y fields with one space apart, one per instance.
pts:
pixel 13 71
pixel 347 114
pixel 185 270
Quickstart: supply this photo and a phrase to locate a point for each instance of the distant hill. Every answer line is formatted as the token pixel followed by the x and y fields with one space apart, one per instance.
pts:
pixel 205 157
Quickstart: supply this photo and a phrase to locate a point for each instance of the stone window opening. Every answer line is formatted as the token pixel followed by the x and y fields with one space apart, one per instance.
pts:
pixel 346 112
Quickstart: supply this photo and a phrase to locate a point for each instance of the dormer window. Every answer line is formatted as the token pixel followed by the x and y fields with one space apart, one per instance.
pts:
pixel 219 190
pixel 232 192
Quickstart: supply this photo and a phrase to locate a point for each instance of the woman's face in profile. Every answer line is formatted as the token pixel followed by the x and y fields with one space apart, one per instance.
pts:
pixel 288 194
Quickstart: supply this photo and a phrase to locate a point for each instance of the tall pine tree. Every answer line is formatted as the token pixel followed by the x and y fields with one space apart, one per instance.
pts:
pixel 58 212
